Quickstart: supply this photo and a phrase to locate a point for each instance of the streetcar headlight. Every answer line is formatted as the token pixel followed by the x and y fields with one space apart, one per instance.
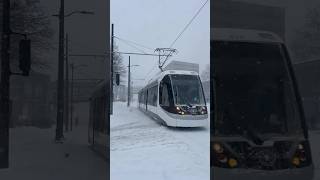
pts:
pixel 295 161
pixel 178 110
pixel 302 155
pixel 202 110
pixel 232 162
pixel 217 148
pixel 222 157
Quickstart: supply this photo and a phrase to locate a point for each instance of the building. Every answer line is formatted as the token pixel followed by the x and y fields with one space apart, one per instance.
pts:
pixel 30 101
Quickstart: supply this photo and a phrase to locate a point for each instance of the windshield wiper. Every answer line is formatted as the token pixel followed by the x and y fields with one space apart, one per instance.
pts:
pixel 249 133
pixel 189 104
pixel 253 136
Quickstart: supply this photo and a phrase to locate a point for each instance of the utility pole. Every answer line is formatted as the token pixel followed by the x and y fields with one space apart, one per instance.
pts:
pixel 5 84
pixel 112 56
pixel 67 85
pixel 129 83
pixel 72 84
pixel 60 89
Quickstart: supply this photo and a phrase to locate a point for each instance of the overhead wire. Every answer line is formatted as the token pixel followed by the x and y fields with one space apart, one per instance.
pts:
pixel 138 44
pixel 134 47
pixel 188 24
pixel 186 27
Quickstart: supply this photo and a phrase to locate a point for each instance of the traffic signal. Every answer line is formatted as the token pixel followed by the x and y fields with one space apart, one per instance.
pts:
pixel 25 56
pixel 118 79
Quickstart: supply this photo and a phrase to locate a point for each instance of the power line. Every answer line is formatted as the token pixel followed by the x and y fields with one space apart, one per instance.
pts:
pixel 151 70
pixel 132 46
pixel 134 43
pixel 185 28
pixel 107 54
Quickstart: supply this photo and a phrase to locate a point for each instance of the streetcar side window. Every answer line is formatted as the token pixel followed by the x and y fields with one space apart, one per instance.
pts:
pixel 149 97
pixel 145 100
pixel 165 92
pixel 152 96
pixel 155 95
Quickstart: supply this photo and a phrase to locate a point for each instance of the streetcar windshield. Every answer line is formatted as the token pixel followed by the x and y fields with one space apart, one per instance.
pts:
pixel 187 90
pixel 254 92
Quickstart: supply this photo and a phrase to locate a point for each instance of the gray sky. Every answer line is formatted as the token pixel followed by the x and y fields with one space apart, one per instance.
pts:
pixel 156 23
pixel 153 23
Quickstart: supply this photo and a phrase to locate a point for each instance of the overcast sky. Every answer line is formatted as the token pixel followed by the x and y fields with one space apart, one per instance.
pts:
pixel 156 24
pixel 152 23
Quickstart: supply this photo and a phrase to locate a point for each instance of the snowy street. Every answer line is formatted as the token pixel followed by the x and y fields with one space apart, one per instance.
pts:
pixel 35 156
pixel 143 149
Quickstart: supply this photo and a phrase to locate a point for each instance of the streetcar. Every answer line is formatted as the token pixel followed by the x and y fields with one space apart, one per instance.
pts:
pixel 98 132
pixel 175 98
pixel 258 128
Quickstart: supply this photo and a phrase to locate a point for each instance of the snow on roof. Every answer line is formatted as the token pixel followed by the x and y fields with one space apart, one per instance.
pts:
pixel 244 35
pixel 185 66
pixel 166 72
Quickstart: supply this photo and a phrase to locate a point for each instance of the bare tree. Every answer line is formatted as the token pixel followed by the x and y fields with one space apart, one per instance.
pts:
pixel 28 17
pixel 306 44
pixel 118 66
pixel 205 74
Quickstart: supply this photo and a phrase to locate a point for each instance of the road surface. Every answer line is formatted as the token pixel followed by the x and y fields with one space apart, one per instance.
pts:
pixel 140 148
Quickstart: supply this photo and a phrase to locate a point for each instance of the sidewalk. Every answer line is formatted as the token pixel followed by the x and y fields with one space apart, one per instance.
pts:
pixel 35 156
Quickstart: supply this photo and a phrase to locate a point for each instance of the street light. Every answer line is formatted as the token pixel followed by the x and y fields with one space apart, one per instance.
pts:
pixel 129 81
pixel 60 89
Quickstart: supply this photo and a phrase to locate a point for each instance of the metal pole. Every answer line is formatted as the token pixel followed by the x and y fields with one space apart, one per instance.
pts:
pixel 112 56
pixel 5 84
pixel 67 85
pixel 72 84
pixel 60 89
pixel 129 74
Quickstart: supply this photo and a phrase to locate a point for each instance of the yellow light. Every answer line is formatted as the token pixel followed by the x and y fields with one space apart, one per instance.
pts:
pixel 296 161
pixel 232 162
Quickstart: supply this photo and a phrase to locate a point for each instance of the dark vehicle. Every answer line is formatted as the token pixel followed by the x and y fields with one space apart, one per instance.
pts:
pixel 258 125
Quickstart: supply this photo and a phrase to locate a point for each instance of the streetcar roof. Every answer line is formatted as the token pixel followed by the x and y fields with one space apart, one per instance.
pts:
pixel 167 72
pixel 182 72
pixel 243 35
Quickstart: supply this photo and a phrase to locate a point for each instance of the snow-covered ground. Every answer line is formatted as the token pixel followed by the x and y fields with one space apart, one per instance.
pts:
pixel 142 149
pixel 35 156
pixel 315 148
